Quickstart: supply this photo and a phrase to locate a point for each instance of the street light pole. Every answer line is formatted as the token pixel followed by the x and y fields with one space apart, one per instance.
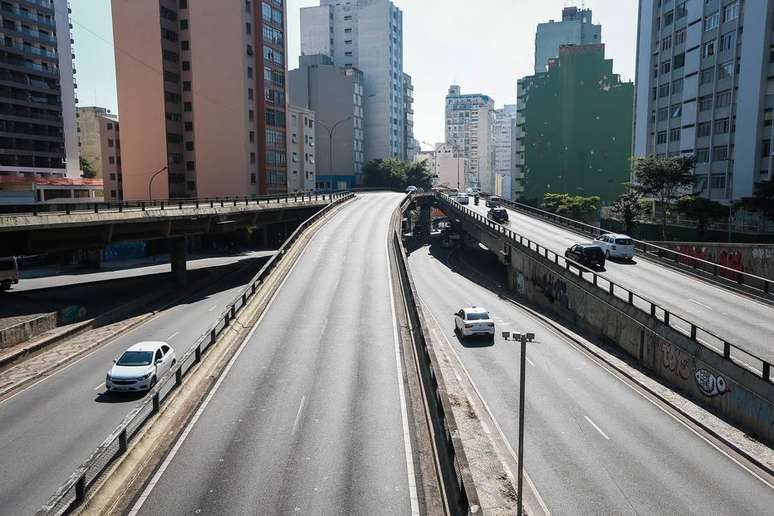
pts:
pixel 331 130
pixel 520 482
pixel 150 182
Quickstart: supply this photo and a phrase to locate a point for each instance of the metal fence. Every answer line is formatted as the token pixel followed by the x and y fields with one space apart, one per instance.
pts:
pixel 459 487
pixel 721 273
pixel 706 338
pixel 74 491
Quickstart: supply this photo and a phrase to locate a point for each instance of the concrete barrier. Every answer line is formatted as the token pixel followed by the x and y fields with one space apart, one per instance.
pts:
pixel 757 259
pixel 26 330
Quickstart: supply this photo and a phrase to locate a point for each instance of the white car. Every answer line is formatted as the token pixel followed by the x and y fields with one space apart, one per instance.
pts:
pixel 411 189
pixel 473 321
pixel 616 246
pixel 463 198
pixel 140 367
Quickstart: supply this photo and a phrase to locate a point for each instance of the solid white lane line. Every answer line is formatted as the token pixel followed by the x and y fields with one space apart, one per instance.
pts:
pixel 173 335
pixel 298 414
pixel 701 304
pixel 413 498
pixel 597 428
pixel 168 460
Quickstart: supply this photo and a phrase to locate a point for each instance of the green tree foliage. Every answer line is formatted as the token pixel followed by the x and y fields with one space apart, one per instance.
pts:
pixel 396 174
pixel 703 211
pixel 664 179
pixel 762 200
pixel 629 207
pixel 88 169
pixel 574 207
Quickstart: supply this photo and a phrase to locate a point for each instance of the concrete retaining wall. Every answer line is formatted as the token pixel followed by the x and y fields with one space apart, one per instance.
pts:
pixel 755 259
pixel 27 329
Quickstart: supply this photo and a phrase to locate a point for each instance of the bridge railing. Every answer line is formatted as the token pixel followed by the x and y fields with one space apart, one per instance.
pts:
pixel 163 204
pixel 702 336
pixel 721 273
pixel 75 490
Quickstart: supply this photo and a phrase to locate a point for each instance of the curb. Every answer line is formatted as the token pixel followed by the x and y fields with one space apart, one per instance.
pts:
pixel 44 342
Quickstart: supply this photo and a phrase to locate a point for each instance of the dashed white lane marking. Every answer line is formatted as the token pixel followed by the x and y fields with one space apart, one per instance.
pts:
pixel 530 362
pixel 597 428
pixel 298 414
pixel 173 335
pixel 701 304
pixel 213 307
pixel 98 387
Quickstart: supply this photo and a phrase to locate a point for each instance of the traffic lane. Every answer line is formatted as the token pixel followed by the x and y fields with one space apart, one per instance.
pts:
pixel 50 428
pixel 308 420
pixel 593 445
pixel 131 271
pixel 741 320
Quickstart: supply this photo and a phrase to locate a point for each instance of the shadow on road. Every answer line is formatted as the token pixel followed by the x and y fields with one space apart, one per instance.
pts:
pixel 119 397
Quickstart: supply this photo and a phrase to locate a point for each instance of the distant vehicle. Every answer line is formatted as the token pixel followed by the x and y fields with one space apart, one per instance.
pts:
pixel 474 189
pixel 9 272
pixel 453 192
pixel 616 246
pixel 493 201
pixel 411 189
pixel 590 255
pixel 499 215
pixel 140 367
pixel 463 198
pixel 473 321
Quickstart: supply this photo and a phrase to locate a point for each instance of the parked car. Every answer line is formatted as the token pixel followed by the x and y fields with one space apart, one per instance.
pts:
pixel 9 272
pixel 493 201
pixel 499 215
pixel 590 255
pixel 473 321
pixel 411 189
pixel 616 246
pixel 140 367
pixel 463 198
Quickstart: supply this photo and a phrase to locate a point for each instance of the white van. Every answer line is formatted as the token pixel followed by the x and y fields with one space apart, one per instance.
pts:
pixel 9 272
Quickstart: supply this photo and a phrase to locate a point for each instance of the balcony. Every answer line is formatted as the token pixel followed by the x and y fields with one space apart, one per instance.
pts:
pixel 29 49
pixel 29 16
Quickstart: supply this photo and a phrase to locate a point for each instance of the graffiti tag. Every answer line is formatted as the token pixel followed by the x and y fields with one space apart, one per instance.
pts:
pixel 675 360
pixel 710 384
pixel 555 289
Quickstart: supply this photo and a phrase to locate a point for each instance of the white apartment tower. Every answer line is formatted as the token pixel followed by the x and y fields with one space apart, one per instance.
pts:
pixel 576 28
pixel 705 74
pixel 469 131
pixel 301 149
pixel 504 149
pixel 367 35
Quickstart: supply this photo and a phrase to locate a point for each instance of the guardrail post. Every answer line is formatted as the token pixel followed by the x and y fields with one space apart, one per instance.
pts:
pixel 179 376
pixel 244 299
pixel 631 298
pixel 653 310
pixel 156 402
pixel 595 279
pixel 221 203
pixel 693 332
pixel 142 205
pixel 766 371
pixel 611 288
pixel 766 287
pixel 120 207
pixel 162 205
pixel 666 317
pixel 213 336
pixel 726 349
pixel 233 311
pixel 122 440
pixel 198 354
pixel 96 208
pixel 67 209
pixel 180 205
pixel 80 488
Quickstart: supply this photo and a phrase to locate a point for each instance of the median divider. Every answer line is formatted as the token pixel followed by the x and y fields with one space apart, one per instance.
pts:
pixel 75 491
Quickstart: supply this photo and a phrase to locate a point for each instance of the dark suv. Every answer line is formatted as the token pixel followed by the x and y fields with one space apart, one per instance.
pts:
pixel 589 255
pixel 498 215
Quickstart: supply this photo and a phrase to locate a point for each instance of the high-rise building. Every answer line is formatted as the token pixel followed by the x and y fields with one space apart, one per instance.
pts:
pixel 335 95
pixel 38 136
pixel 504 148
pixel 469 132
pixel 301 149
pixel 367 35
pixel 704 75
pixel 574 128
pixel 100 144
pixel 409 143
pixel 576 28
pixel 201 92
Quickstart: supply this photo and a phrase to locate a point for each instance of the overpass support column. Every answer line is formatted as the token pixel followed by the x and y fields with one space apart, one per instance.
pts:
pixel 424 219
pixel 177 253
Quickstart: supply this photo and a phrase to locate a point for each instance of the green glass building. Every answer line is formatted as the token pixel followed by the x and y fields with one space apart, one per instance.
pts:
pixel 574 127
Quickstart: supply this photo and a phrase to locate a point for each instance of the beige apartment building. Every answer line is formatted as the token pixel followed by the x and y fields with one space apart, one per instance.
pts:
pixel 100 145
pixel 302 167
pixel 202 97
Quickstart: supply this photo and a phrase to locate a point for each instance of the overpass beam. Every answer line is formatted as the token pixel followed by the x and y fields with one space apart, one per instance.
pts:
pixel 425 220
pixel 177 253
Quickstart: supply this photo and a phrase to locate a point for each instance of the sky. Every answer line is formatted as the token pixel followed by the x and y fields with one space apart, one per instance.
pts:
pixel 485 46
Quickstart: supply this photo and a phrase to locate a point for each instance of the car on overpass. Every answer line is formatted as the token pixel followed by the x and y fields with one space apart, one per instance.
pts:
pixel 411 189
pixel 140 367
pixel 615 245
pixel 9 272
pixel 472 321
pixel 463 198
pixel 498 214
pixel 493 201
pixel 590 255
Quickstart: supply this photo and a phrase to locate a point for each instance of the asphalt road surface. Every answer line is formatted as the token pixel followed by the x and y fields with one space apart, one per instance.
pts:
pixel 593 444
pixel 735 317
pixel 309 420
pixel 51 427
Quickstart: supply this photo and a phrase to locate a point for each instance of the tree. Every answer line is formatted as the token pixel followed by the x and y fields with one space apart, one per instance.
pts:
pixel 419 174
pixel 380 173
pixel 762 200
pixel 576 207
pixel 628 206
pixel 88 169
pixel 703 210
pixel 664 179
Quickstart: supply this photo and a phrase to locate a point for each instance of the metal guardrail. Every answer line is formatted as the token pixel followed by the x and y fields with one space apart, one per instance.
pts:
pixel 120 206
pixel 720 272
pixel 74 491
pixel 456 476
pixel 704 337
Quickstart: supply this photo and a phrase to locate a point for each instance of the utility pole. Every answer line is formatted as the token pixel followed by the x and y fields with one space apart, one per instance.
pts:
pixel 331 130
pixel 150 182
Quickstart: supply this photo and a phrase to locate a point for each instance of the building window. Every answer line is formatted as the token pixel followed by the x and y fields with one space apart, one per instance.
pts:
pixel 718 182
pixel 252 179
pixel 190 165
pixel 185 45
pixel 678 61
pixel 677 86
pixel 725 70
pixel 183 24
pixel 186 65
pixel 189 126
pixel 765 148
pixel 252 157
pixel 677 110
pixel 705 103
pixel 189 146
pixel 720 153
pixel 252 136
pixel 681 11
pixel 709 48
pixel 663 114
pixel 768 116
pixel 663 90
pixel 674 135
pixel 680 36
pixel 707 76
pixel 731 12
pixel 112 161
pixel 668 18
pixel 111 143
pixel 666 67
pixel 723 99
pixel 712 21
pixel 666 43
pixel 187 107
pixel 726 41
pixel 703 129
pixel 186 85
pixel 702 155
pixel 721 126
pixel 248 28
pixel 661 137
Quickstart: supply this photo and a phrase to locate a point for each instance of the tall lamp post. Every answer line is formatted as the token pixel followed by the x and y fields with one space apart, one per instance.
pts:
pixel 150 182
pixel 331 129
pixel 435 161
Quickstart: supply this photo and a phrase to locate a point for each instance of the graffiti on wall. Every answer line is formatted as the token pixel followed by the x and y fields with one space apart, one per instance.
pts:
pixel 555 289
pixel 675 360
pixel 521 284
pixel 731 258
pixel 711 384
pixel 762 253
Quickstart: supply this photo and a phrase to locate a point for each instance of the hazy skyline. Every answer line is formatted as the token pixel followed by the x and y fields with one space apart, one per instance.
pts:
pixel 484 49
